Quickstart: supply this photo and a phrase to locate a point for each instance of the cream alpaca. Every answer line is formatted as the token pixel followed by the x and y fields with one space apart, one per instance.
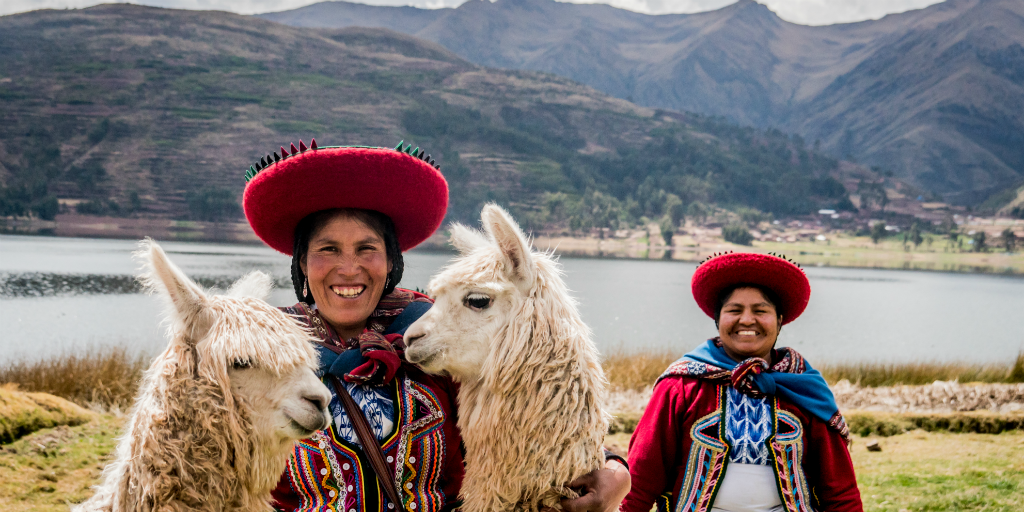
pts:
pixel 219 410
pixel 531 401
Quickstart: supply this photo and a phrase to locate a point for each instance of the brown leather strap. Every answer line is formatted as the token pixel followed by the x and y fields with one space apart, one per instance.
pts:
pixel 366 438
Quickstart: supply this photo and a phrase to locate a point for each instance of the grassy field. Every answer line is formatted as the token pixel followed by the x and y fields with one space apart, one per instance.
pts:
pixel 927 471
pixel 916 471
pixel 54 468
pixel 23 413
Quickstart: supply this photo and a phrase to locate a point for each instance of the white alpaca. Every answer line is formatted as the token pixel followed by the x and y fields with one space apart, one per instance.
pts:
pixel 219 410
pixel 532 394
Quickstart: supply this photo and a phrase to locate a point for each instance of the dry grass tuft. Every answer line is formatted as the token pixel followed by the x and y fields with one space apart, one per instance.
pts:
pixel 109 378
pixel 636 370
pixel 99 378
pixel 892 374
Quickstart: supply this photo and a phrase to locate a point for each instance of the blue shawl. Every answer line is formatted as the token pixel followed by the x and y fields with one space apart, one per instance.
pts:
pixel 791 378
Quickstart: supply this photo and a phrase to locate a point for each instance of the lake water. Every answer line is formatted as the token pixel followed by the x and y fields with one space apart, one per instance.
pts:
pixel 69 294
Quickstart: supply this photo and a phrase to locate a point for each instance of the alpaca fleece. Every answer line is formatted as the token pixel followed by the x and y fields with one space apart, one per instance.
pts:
pixel 193 444
pixel 532 413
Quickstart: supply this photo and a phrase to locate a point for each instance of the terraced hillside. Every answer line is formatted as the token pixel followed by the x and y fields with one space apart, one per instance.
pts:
pixel 131 110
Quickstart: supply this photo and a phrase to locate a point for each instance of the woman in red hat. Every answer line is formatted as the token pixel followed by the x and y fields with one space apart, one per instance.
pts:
pixel 345 215
pixel 737 424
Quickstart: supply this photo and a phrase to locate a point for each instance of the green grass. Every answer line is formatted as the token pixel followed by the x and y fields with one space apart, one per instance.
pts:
pixel 865 423
pixel 54 468
pixel 925 472
pixel 916 471
pixel 23 413
pixel 943 472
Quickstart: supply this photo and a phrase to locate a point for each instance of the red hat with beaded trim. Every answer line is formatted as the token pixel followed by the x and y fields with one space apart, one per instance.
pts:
pixel 774 272
pixel 403 183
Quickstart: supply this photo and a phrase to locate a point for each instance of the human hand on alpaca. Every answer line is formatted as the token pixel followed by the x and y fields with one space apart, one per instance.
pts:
pixel 601 490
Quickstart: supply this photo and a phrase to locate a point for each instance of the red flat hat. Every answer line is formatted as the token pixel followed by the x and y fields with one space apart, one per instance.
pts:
pixel 403 184
pixel 777 274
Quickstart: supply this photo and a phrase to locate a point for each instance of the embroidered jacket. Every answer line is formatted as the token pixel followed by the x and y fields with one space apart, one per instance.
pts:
pixel 680 452
pixel 414 418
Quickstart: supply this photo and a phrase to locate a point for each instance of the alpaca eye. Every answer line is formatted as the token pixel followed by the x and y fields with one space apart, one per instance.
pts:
pixel 241 364
pixel 477 301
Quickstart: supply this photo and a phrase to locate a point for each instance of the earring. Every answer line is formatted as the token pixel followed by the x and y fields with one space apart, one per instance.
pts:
pixel 305 288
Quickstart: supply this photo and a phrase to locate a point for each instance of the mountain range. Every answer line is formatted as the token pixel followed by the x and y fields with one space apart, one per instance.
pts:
pixel 935 95
pixel 130 110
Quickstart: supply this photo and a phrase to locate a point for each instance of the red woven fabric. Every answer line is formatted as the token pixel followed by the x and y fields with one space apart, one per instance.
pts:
pixel 408 190
pixel 662 443
pixel 772 272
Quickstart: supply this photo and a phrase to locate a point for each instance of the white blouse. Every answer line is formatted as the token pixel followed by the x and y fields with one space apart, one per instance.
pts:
pixel 748 488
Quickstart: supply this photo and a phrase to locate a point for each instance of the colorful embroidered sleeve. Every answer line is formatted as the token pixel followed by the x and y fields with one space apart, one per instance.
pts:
pixel 829 470
pixel 655 448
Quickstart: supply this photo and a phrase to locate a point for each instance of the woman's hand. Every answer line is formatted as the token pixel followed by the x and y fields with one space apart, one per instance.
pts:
pixel 601 490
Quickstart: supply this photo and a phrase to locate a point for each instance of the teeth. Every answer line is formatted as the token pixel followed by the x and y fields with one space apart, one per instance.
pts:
pixel 748 333
pixel 348 291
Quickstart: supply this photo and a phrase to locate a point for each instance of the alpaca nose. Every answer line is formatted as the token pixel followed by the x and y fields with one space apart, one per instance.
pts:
pixel 414 333
pixel 318 400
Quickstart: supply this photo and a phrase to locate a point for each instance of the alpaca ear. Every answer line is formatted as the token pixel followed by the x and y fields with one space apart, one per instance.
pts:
pixel 466 239
pixel 255 284
pixel 511 241
pixel 188 301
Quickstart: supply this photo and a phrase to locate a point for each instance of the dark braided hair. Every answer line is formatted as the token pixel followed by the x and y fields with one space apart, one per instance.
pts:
pixel 378 222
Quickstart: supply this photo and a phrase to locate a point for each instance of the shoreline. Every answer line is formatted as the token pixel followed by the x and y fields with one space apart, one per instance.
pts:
pixel 691 246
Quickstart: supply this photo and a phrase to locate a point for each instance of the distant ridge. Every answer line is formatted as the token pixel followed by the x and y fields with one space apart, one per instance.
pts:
pixel 935 95
pixel 139 111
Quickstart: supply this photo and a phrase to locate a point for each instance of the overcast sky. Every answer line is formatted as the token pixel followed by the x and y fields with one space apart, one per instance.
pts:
pixel 806 12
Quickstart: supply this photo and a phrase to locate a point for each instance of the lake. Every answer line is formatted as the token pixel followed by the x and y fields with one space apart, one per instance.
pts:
pixel 59 295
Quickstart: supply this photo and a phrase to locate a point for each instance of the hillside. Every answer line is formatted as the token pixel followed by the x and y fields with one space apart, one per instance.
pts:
pixel 130 110
pixel 935 95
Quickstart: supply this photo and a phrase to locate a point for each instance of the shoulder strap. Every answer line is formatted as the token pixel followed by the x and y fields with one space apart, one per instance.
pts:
pixel 370 445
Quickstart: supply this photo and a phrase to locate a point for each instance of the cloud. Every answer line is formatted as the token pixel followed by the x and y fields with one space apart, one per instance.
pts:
pixel 828 12
pixel 238 6
pixel 806 12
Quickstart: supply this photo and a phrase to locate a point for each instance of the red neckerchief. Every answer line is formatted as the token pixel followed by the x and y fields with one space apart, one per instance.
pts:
pixel 383 352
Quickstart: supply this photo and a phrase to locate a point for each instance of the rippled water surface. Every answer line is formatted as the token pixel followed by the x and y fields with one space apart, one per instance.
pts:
pixel 61 294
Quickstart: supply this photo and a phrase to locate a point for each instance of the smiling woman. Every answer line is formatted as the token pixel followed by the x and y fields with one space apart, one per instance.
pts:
pixel 350 258
pixel 344 215
pixel 738 403
pixel 392 424
pixel 748 322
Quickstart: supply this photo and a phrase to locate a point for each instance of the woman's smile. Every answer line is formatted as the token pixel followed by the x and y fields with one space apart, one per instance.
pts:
pixel 748 325
pixel 347 269
pixel 348 292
